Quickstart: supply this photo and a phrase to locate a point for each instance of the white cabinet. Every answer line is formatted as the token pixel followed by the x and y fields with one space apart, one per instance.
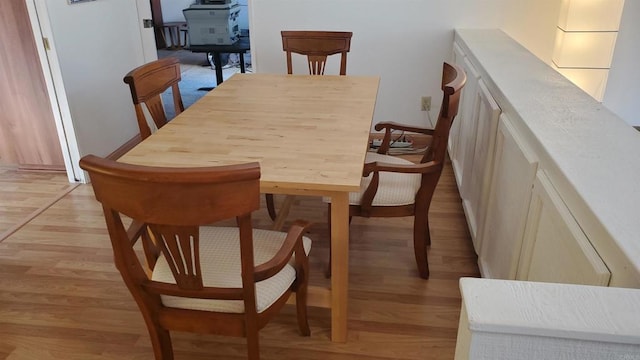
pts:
pixel 476 176
pixel 555 249
pixel 508 203
pixel 538 206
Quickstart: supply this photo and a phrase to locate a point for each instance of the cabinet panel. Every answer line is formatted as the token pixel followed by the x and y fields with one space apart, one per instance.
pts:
pixel 555 249
pixel 465 133
pixel 508 202
pixel 479 160
pixel 454 133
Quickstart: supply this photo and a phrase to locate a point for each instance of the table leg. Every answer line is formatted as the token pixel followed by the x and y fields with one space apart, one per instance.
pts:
pixel 242 69
pixel 217 61
pixel 339 265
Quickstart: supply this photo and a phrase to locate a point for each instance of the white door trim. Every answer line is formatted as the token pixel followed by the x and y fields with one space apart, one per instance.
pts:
pixel 147 35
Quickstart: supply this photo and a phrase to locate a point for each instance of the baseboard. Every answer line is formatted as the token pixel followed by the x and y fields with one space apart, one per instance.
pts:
pixel 42 168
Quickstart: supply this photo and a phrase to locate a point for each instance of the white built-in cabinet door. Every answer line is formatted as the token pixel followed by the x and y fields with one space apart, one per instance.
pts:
pixel 454 133
pixel 555 249
pixel 502 230
pixel 479 160
pixel 464 126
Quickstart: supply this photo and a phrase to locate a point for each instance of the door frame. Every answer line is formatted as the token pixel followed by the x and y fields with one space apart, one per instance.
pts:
pixel 39 19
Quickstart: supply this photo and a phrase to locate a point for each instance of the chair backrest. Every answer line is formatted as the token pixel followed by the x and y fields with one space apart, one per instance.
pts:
pixel 147 83
pixel 317 45
pixel 172 203
pixel 453 80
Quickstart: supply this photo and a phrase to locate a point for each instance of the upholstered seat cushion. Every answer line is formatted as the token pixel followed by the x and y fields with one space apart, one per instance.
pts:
pixel 394 188
pixel 220 261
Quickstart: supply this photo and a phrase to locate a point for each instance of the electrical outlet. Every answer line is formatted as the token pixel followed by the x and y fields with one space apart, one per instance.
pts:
pixel 425 103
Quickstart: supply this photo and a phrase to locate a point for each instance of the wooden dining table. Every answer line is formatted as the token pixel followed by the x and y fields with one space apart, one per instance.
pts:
pixel 309 134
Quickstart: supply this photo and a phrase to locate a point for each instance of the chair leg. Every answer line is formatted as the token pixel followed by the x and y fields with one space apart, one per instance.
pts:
pixel 421 239
pixel 161 342
pixel 327 271
pixel 253 342
pixel 271 206
pixel 301 301
pixel 283 213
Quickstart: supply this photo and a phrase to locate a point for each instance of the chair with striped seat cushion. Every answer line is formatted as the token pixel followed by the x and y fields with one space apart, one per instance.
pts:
pixel 189 275
pixel 393 187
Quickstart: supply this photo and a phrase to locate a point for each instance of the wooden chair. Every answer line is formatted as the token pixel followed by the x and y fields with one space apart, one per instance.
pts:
pixel 147 83
pixel 394 187
pixel 204 279
pixel 317 46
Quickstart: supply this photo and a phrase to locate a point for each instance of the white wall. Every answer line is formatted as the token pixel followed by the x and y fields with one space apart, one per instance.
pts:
pixel 622 95
pixel 404 43
pixel 172 9
pixel 533 24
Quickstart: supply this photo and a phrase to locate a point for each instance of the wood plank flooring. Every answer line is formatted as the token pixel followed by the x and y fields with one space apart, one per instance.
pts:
pixel 24 195
pixel 62 298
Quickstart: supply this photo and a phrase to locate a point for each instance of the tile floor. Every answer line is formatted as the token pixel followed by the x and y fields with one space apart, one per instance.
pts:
pixel 196 73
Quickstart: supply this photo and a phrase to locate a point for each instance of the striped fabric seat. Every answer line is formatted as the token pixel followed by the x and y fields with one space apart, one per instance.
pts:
pixel 220 261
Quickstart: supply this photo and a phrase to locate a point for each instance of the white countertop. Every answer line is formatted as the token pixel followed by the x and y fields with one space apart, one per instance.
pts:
pixel 581 312
pixel 594 152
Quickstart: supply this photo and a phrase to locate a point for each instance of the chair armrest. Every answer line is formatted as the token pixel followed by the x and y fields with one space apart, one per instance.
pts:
pixel 389 126
pixel 378 166
pixel 292 244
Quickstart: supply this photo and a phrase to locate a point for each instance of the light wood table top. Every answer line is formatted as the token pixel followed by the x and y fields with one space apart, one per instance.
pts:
pixel 310 135
pixel 307 132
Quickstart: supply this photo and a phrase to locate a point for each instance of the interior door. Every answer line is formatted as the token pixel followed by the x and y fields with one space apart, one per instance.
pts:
pixel 92 45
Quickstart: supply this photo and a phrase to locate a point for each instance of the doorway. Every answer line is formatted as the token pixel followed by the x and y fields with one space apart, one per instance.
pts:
pixel 197 69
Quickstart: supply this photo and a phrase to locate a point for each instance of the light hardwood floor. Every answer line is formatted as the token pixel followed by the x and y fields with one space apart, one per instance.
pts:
pixel 23 195
pixel 62 298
